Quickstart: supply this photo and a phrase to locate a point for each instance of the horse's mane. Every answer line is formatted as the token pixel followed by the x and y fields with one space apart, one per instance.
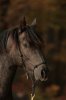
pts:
pixel 4 38
pixel 31 36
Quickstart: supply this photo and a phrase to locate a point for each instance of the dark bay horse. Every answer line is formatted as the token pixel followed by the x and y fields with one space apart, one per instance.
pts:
pixel 20 47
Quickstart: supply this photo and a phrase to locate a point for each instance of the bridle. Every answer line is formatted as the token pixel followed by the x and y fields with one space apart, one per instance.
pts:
pixel 35 66
pixel 23 61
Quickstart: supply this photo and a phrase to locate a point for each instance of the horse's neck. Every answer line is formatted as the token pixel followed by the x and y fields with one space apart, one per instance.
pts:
pixel 7 72
pixel 16 56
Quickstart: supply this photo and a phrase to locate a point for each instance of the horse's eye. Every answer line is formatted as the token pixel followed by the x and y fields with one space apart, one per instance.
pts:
pixel 26 45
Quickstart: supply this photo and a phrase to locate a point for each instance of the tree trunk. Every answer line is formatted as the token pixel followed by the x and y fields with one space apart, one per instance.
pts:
pixel 4 4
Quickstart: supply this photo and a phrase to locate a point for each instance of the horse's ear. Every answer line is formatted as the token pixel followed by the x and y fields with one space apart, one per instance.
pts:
pixel 34 22
pixel 11 44
pixel 23 22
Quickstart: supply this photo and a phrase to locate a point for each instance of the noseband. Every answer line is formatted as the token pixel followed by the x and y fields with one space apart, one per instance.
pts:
pixel 36 66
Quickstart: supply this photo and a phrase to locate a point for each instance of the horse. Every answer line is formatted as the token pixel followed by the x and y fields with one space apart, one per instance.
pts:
pixel 20 46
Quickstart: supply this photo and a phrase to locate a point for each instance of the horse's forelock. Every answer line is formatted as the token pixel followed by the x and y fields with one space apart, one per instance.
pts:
pixel 32 36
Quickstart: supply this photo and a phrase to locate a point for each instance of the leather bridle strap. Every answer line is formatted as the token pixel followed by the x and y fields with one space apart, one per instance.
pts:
pixel 38 65
pixel 22 57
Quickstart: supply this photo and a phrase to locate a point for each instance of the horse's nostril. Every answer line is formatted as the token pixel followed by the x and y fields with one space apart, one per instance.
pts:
pixel 42 73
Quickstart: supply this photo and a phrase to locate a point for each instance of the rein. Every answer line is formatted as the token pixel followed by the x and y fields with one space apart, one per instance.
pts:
pixel 32 78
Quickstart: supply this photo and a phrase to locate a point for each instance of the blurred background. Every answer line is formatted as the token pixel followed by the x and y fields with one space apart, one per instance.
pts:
pixel 51 24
